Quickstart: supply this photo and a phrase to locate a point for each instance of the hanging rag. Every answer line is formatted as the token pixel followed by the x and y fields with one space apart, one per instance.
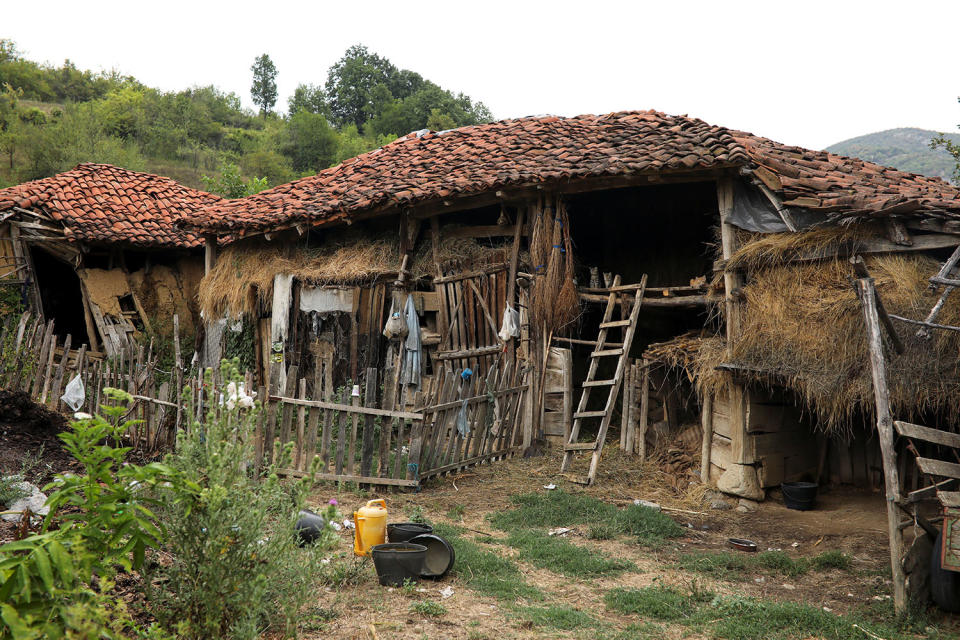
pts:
pixel 463 424
pixel 510 326
pixel 395 327
pixel 412 347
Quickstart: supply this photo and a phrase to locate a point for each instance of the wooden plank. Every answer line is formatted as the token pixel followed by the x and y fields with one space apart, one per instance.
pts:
pixel 930 492
pixel 369 400
pixel 269 434
pixel 325 447
pixel 949 498
pixel 398 455
pixel 475 274
pixel 61 370
pixel 342 431
pixel 581 446
pixel 606 352
pixel 313 420
pixel 939 468
pixel 286 419
pixel 341 477
pixel 348 408
pixel 299 455
pixel 919 432
pixel 352 444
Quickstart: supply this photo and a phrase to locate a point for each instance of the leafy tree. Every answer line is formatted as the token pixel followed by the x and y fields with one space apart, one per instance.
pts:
pixel 310 98
pixel 311 142
pixel 351 82
pixel 230 184
pixel 264 87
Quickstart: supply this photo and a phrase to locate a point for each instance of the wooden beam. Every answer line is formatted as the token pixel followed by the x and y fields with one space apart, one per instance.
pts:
pixel 939 468
pixel 919 432
pixel 860 268
pixel 868 299
pixel 483 231
pixel 209 253
pixel 405 415
pixel 732 280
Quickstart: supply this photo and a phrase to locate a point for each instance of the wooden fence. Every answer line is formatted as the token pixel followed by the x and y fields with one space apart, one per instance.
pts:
pixel 464 421
pixel 34 360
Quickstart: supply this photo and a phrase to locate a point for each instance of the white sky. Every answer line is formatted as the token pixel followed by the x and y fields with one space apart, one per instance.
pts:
pixel 809 73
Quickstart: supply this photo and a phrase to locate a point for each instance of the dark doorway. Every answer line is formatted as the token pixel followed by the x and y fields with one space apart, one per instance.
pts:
pixel 60 294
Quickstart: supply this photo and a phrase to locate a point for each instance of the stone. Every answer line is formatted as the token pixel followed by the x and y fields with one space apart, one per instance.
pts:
pixel 34 500
pixel 741 480
pixel 720 505
pixel 748 506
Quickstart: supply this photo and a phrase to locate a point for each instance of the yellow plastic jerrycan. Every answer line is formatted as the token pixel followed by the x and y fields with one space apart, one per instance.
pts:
pixel 371 526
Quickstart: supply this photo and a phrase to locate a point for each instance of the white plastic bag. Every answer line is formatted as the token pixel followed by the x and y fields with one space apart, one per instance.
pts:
pixel 510 327
pixel 74 395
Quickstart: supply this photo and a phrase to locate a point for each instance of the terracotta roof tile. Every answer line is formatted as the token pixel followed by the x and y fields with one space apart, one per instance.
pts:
pixel 100 203
pixel 426 166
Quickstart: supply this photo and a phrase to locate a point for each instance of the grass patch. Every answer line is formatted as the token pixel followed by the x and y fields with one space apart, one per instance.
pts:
pixel 728 565
pixel 558 617
pixel 737 618
pixel 486 572
pixel 561 509
pixel 428 608
pixel 658 602
pixel 562 556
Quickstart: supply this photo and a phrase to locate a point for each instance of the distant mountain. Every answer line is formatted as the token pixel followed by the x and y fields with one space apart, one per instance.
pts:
pixel 907 149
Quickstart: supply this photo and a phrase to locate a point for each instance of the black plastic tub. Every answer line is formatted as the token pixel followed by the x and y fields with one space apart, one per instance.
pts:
pixel 397 562
pixel 801 496
pixel 404 531
pixel 439 558
pixel 309 526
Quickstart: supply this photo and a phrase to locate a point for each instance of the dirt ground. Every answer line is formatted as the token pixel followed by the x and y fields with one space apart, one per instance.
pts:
pixel 846 520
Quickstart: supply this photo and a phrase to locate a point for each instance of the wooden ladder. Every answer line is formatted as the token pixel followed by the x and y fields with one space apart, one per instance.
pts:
pixel 617 297
pixel 945 278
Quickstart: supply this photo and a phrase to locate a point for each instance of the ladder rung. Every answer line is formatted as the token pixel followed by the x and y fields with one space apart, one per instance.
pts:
pixel 589 414
pixel 607 352
pixel 598 383
pixel 581 446
pixel 614 323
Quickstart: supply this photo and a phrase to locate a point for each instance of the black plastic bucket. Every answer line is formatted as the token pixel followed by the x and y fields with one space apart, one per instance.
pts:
pixel 439 558
pixel 404 531
pixel 801 496
pixel 397 562
pixel 309 526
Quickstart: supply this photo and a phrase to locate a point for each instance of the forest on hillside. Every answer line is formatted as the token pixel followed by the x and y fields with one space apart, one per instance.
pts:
pixel 54 117
pixel 907 149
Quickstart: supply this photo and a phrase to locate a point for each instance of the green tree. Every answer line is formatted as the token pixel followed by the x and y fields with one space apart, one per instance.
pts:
pixel 230 184
pixel 310 98
pixel 351 82
pixel 311 143
pixel 264 87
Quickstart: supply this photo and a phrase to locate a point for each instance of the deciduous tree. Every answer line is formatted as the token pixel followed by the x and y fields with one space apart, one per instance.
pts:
pixel 264 87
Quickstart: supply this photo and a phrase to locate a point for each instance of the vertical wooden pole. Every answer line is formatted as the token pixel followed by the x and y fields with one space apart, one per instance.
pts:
pixel 209 254
pixel 706 421
pixel 867 295
pixel 178 375
pixel 369 400
pixel 644 411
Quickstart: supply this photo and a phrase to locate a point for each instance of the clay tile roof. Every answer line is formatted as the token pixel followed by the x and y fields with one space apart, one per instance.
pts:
pixel 845 188
pixel 427 165
pixel 100 203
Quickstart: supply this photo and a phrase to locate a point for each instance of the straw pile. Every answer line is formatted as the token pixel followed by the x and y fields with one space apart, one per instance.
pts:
pixel 803 328
pixel 244 272
pixel 554 302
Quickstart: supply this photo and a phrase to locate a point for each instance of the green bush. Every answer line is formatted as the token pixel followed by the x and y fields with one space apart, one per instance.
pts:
pixel 59 583
pixel 234 569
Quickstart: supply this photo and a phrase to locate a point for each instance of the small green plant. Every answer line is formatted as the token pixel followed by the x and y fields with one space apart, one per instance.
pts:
pixel 409 588
pixel 657 602
pixel 59 583
pixel 10 489
pixel 343 571
pixel 233 567
pixel 831 560
pixel 428 608
pixel 415 514
pixel 317 618
pixel 456 513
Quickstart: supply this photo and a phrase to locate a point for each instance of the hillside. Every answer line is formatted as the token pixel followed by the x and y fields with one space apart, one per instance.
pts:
pixel 907 149
pixel 54 117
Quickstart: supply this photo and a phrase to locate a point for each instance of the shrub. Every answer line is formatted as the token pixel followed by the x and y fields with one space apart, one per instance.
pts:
pixel 428 608
pixel 59 583
pixel 235 569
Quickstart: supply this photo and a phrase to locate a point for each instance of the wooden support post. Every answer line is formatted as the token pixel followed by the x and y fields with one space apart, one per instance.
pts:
pixel 732 280
pixel 209 254
pixel 641 445
pixel 868 298
pixel 706 421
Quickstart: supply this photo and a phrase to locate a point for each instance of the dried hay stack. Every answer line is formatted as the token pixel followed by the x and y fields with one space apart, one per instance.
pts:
pixel 554 302
pixel 802 328
pixel 245 271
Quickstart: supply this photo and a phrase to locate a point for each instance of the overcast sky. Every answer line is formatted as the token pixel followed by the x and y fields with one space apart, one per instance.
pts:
pixel 808 73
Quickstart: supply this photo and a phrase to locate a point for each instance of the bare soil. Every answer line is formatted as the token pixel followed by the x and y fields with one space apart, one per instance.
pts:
pixel 847 520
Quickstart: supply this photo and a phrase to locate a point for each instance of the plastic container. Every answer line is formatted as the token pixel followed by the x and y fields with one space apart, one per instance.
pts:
pixel 439 558
pixel 309 526
pixel 371 526
pixel 397 562
pixel 403 531
pixel 801 496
